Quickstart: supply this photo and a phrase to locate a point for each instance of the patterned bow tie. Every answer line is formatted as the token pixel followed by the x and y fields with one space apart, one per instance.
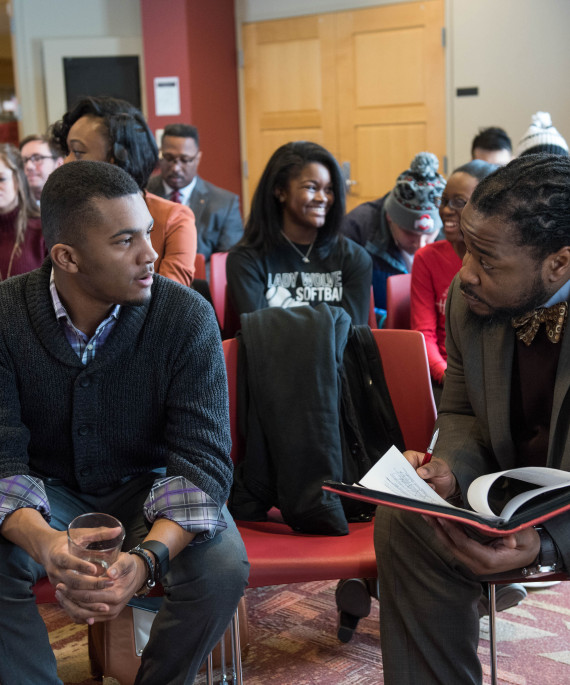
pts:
pixel 554 319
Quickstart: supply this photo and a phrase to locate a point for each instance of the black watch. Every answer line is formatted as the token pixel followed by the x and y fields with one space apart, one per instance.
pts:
pixel 548 554
pixel 162 555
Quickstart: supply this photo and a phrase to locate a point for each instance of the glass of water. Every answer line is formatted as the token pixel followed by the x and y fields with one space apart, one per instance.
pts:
pixel 96 538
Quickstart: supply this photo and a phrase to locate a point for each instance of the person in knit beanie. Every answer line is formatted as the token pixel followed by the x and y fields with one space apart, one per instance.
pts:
pixel 395 226
pixel 541 136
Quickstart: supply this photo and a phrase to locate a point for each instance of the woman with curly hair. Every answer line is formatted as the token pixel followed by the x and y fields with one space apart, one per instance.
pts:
pixel 107 129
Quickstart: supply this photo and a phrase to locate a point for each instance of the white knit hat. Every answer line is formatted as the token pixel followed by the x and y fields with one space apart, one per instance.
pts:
pixel 541 136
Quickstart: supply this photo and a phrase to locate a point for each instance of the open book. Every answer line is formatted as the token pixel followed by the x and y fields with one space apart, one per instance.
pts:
pixel 393 482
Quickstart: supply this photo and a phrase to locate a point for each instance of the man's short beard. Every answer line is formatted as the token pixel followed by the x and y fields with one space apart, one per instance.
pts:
pixel 537 296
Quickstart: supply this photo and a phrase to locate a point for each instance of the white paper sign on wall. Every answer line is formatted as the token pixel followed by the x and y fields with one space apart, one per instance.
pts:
pixel 167 96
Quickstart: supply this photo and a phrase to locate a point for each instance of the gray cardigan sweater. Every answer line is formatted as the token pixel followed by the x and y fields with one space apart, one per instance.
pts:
pixel 155 395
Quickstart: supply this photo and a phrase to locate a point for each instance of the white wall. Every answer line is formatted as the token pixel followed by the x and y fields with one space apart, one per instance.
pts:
pixel 37 20
pixel 515 51
pixel 264 10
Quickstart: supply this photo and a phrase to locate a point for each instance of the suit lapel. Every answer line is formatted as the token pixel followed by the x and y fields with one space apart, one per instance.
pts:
pixel 498 346
pixel 558 444
pixel 198 199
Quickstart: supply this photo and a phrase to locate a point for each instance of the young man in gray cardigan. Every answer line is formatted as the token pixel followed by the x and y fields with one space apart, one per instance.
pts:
pixel 113 398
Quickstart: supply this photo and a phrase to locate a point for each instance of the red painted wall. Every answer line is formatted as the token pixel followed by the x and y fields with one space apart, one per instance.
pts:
pixel 195 40
pixel 165 45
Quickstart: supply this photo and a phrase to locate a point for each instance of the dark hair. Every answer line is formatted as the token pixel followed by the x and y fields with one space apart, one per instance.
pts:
pixel 181 131
pixel 476 168
pixel 53 148
pixel 265 223
pixel 532 195
pixel 27 204
pixel 66 204
pixel 132 145
pixel 492 138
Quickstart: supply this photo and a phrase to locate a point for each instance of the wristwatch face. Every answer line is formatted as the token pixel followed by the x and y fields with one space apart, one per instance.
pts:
pixel 162 554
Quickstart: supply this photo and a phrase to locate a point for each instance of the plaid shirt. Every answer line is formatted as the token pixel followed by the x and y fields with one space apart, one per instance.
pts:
pixel 84 347
pixel 174 498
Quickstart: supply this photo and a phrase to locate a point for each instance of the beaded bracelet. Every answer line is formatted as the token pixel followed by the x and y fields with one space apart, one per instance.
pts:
pixel 149 582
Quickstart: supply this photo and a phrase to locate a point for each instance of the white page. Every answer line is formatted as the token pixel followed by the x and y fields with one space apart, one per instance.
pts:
pixel 549 479
pixel 393 473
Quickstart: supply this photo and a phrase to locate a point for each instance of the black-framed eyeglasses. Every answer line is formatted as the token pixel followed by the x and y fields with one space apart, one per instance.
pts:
pixel 456 203
pixel 182 159
pixel 36 159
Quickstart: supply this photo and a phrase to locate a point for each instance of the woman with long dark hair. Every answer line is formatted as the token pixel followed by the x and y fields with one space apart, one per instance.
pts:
pixel 22 246
pixel 292 253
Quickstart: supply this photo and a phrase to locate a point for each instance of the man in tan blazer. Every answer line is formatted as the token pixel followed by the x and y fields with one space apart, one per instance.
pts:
pixel 506 403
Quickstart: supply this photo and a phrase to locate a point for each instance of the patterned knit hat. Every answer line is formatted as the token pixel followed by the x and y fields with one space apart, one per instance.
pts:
pixel 414 201
pixel 542 137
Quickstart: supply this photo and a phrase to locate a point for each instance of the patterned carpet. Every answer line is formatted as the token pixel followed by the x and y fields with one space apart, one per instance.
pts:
pixel 293 640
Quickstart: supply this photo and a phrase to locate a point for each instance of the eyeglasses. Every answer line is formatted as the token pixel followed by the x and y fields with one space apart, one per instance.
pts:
pixel 456 203
pixel 182 159
pixel 36 159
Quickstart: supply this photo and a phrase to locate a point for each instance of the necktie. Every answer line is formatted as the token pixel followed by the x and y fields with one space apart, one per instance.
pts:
pixel 176 196
pixel 553 318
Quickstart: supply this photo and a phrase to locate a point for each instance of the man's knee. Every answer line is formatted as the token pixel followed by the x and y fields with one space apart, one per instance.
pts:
pixel 217 566
pixel 395 530
pixel 16 565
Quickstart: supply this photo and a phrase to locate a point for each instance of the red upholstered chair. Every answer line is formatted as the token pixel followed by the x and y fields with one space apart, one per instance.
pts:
pixel 200 266
pixel 398 301
pixel 277 554
pixel 45 592
pixel 218 284
pixel 232 322
pixel 371 313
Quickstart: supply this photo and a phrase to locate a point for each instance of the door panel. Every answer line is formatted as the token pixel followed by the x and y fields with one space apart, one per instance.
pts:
pixel 380 150
pixel 367 84
pixel 290 86
pixel 392 78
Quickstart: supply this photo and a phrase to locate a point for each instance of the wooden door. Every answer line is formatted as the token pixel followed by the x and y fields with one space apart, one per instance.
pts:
pixel 290 88
pixel 391 92
pixel 367 84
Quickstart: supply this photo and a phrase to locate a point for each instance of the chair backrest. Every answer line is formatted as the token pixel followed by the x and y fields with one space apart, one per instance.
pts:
pixel 218 284
pixel 398 290
pixel 231 357
pixel 406 369
pixel 200 267
pixel 371 313
pixel 232 322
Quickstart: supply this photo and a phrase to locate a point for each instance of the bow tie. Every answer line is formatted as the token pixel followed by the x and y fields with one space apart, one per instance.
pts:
pixel 553 318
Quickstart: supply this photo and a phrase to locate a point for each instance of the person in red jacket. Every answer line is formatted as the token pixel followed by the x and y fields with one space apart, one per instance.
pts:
pixel 436 264
pixel 22 246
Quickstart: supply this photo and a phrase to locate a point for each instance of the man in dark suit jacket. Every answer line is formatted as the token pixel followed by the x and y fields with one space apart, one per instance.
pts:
pixel 218 219
pixel 505 404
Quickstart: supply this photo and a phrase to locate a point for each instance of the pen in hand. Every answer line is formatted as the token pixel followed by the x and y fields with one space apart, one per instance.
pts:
pixel 429 451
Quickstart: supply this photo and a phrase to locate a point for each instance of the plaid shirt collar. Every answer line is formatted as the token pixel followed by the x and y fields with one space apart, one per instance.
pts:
pixel 82 345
